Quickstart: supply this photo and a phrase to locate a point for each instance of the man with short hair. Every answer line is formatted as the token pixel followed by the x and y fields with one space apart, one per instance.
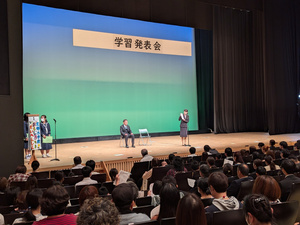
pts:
pixel 91 163
pixel 146 157
pixel 123 197
pixel 127 133
pixel 218 183
pixel 86 172
pixel 242 173
pixel 288 167
pixel 192 151
pixel 209 150
pixel 283 145
pixel 77 163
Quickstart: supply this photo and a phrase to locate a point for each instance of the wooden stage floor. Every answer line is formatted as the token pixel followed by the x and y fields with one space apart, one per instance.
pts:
pixel 110 150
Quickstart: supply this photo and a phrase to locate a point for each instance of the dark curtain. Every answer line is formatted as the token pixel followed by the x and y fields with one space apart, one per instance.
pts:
pixel 282 64
pixel 239 100
pixel 4 75
pixel 204 71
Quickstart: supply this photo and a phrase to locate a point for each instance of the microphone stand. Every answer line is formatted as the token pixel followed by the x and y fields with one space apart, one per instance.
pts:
pixel 188 136
pixel 55 159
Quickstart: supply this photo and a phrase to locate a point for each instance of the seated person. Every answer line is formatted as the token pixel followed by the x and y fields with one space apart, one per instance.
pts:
pixel 272 144
pixel 288 168
pixel 98 211
pixel 178 167
pixel 218 184
pixel 53 204
pixel 192 151
pixel 34 213
pixel 209 150
pixel 113 173
pixel 77 163
pixel 242 173
pixel 270 165
pixel 123 197
pixel 267 186
pixel 86 172
pixel 203 190
pixel 91 163
pixel 35 165
pixel 87 192
pixel 283 145
pixel 296 161
pixel 146 156
pixel 127 133
pixel 20 175
pixel 59 178
pixel 257 210
pixel 260 171
pixel 211 162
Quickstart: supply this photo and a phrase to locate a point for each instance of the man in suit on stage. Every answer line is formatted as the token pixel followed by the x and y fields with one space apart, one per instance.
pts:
pixel 126 133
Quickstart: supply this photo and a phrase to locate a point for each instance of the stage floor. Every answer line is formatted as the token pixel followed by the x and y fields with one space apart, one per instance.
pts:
pixel 111 150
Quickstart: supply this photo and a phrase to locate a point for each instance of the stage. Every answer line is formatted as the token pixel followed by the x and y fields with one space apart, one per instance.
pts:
pixel 110 150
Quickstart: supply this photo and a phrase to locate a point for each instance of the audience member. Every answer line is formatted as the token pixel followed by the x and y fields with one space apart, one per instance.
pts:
pixel 3 185
pixel 237 158
pixel 204 172
pixel 148 174
pixel 190 211
pixel 59 178
pixel 171 158
pixel 270 165
pixel 178 167
pixel 87 192
pixel 256 163
pixel 267 186
pixel 228 169
pixel 297 145
pixel 242 173
pixel 272 145
pixel 21 202
pixel 123 197
pixel 103 191
pixel 203 189
pixel 204 156
pixel 113 173
pixel 218 184
pixel 260 171
pixel 155 201
pixel 53 204
pixel 257 210
pixel 20 175
pixel 283 145
pixel 146 156
pixel 255 155
pixel 77 163
pixel 91 163
pixel 209 150
pixel 31 183
pixel 261 145
pixel 296 161
pixel 98 211
pixel 228 154
pixel 11 195
pixel 35 165
pixel 192 151
pixel 211 162
pixel 34 213
pixel 169 198
pixel 86 172
pixel 288 168
pixel 278 154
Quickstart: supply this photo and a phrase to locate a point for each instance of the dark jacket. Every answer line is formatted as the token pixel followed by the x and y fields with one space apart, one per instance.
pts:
pixel 286 185
pixel 184 123
pixel 235 185
pixel 124 130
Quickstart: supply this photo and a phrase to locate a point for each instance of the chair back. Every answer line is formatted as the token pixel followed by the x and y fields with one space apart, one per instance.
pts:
pixel 109 185
pixel 41 175
pixel 207 201
pixel 295 196
pixel 71 190
pixel 72 180
pixel 285 213
pixel 10 218
pixel 143 201
pixel 72 209
pixel 20 184
pixel 158 173
pixel 6 209
pixel 80 187
pixel 168 221
pixel 144 132
pixel 3 200
pixel 74 201
pixel 45 183
pixel 144 209
pixel 100 178
pixel 245 189
pixel 229 217
pixel 150 222
pixel 138 169
pixel 77 171
pixel 66 172
pixel 182 182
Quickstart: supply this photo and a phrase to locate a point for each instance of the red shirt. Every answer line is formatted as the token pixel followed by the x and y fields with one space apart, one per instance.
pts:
pixel 66 219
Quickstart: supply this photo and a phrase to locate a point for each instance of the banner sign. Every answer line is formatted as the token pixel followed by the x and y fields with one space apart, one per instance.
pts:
pixel 95 39
pixel 34 132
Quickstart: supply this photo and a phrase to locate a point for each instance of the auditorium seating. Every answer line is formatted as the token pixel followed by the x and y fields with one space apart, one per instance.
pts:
pixel 245 189
pixel 10 218
pixel 77 171
pixel 66 172
pixel 45 183
pixel 41 175
pixel 6 209
pixel 20 184
pixel 207 201
pixel 138 169
pixel 181 179
pixel 72 180
pixel 158 173
pixel 109 185
pixel 150 222
pixel 71 190
pixel 229 217
pixel 3 200
pixel 168 221
pixel 80 187
pixel 100 178
pixel 285 213
pixel 295 196
pixel 143 201
pixel 74 201
pixel 72 209
pixel 144 209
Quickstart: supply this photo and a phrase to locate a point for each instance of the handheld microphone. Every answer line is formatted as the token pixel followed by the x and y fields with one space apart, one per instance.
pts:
pixel 54 120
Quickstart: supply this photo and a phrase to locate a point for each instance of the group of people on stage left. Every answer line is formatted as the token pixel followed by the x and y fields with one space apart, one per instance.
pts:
pixel 45 131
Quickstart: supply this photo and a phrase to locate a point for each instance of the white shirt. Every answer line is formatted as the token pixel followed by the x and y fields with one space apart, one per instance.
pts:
pixel 86 181
pixel 78 166
pixel 192 155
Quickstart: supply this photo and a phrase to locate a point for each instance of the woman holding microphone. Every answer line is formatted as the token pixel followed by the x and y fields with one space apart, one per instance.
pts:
pixel 45 131
pixel 184 118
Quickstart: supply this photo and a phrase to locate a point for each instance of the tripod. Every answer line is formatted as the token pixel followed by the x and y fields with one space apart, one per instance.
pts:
pixel 55 159
pixel 188 136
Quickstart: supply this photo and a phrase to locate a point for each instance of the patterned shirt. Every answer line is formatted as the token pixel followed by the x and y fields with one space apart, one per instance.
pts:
pixel 18 177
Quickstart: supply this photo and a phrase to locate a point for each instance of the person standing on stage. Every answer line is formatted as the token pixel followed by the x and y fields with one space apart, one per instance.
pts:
pixel 45 131
pixel 184 118
pixel 25 128
pixel 126 133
